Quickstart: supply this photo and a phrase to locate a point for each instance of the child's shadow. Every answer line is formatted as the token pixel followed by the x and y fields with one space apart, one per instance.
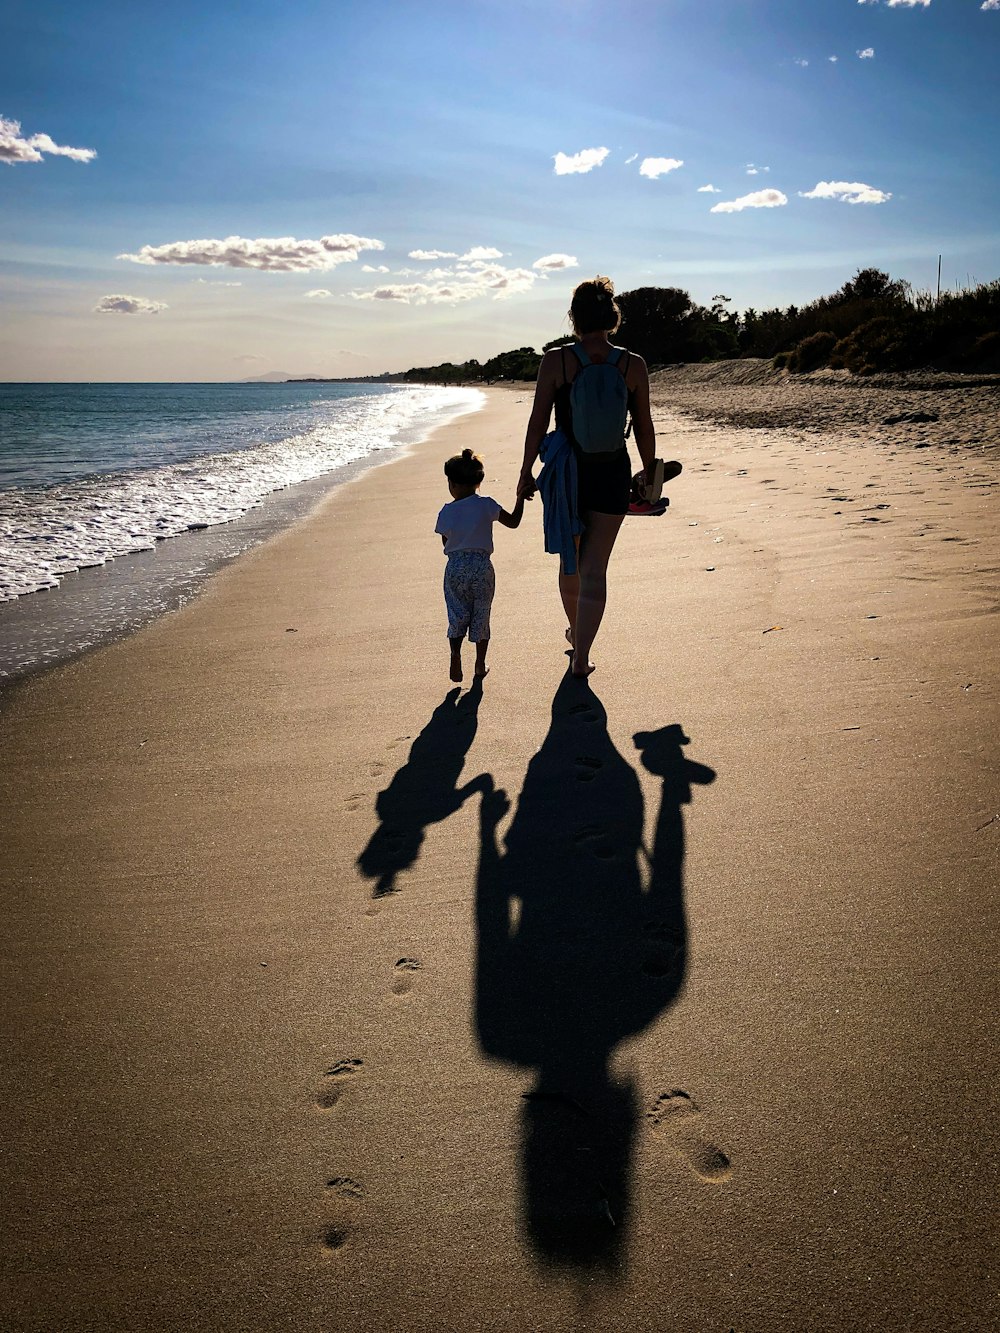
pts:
pixel 425 790
pixel 582 943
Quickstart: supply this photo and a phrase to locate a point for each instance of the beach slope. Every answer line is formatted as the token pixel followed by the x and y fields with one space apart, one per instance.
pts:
pixel 336 998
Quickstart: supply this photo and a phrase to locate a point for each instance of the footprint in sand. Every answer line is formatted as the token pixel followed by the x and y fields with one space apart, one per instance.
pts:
pixel 342 1216
pixel 354 801
pixel 334 1082
pixel 404 971
pixel 587 767
pixel 583 713
pixel 592 837
pixel 676 1118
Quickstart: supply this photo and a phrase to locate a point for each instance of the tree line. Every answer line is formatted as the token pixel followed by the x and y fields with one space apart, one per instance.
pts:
pixel 872 323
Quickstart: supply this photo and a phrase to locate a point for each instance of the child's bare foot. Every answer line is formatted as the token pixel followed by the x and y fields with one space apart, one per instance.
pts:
pixel 455 673
pixel 482 648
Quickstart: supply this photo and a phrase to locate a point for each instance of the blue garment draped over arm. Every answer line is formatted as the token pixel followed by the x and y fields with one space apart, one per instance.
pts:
pixel 557 487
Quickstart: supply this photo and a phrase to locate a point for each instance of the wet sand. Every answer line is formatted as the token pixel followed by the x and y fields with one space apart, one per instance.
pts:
pixel 336 999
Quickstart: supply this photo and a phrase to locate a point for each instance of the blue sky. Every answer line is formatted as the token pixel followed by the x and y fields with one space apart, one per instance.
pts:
pixel 392 128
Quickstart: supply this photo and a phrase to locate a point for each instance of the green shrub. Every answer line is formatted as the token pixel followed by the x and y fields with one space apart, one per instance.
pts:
pixel 984 354
pixel 812 352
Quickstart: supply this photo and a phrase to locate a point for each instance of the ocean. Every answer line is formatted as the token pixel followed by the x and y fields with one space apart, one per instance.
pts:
pixel 118 500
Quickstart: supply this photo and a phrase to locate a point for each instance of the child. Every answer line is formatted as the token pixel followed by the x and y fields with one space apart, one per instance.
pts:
pixel 466 528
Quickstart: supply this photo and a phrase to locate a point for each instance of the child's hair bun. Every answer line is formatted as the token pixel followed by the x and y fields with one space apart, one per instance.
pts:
pixel 465 468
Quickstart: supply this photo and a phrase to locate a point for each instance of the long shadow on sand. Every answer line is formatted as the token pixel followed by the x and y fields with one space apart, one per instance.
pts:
pixel 425 790
pixel 582 943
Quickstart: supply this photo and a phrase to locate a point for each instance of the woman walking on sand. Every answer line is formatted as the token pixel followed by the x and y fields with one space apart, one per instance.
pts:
pixel 602 480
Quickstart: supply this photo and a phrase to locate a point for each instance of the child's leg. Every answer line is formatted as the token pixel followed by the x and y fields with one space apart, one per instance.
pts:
pixel 455 673
pixel 459 606
pixel 479 629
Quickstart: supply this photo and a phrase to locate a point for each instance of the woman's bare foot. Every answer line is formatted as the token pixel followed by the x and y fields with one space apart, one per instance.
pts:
pixel 480 674
pixel 581 670
pixel 455 673
pixel 569 635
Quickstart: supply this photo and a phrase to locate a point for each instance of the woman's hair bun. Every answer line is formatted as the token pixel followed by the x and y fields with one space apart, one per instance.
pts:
pixel 594 308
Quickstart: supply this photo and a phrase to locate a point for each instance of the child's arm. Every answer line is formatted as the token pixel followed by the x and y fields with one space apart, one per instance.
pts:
pixel 513 519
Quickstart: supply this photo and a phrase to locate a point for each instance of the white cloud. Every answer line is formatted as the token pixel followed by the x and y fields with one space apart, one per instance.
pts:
pixel 282 254
pixel 379 268
pixel 15 148
pixel 833 59
pixel 907 4
pixel 708 189
pixel 320 293
pixel 753 171
pixel 431 254
pixel 760 199
pixel 654 167
pixel 467 282
pixel 586 160
pixel 867 54
pixel 990 4
pixel 849 192
pixel 127 305
pixel 481 252
pixel 549 263
pixel 211 282
pixel 630 160
pixel 803 64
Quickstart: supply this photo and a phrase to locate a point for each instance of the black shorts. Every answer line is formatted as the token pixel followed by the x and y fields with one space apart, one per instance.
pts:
pixel 604 482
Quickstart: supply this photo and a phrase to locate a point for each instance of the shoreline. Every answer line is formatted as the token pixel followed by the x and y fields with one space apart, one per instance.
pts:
pixel 250 1093
pixel 94 607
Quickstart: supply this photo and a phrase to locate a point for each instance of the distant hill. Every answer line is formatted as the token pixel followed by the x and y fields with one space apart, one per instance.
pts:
pixel 272 377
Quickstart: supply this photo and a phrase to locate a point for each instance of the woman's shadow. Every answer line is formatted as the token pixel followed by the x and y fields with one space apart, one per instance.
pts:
pixel 582 943
pixel 425 790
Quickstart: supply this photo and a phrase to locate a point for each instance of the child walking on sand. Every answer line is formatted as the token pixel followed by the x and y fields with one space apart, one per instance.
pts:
pixel 466 528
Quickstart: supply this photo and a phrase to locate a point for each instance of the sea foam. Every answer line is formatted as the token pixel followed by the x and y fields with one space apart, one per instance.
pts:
pixel 48 531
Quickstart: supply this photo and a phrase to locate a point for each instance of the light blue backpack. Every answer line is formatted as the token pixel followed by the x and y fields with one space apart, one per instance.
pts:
pixel 598 399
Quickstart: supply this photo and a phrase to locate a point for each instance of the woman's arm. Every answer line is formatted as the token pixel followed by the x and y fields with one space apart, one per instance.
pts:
pixel 642 419
pixel 538 422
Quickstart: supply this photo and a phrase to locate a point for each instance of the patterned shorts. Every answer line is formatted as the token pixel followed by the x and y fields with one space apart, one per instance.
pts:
pixel 469 583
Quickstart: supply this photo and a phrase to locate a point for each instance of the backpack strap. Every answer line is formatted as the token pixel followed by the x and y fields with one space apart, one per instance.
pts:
pixel 580 354
pixel 614 356
pixel 627 357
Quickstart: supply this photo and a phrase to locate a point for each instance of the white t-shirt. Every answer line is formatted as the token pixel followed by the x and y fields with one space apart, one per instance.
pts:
pixel 468 524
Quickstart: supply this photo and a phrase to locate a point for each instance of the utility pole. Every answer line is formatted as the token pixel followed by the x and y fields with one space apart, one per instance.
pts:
pixel 938 301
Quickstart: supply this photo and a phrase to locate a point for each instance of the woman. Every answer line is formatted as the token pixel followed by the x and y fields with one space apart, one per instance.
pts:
pixel 604 480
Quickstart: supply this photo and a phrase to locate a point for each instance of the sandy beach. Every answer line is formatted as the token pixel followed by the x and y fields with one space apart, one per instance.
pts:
pixel 338 999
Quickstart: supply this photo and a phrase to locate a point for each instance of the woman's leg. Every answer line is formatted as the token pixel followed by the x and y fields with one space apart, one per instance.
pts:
pixel 596 545
pixel 569 591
